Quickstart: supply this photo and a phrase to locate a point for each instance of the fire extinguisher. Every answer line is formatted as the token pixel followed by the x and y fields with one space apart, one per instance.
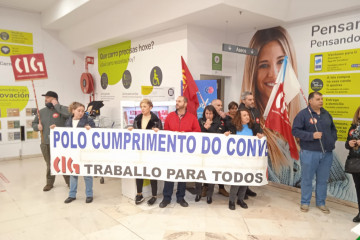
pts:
pixel 87 81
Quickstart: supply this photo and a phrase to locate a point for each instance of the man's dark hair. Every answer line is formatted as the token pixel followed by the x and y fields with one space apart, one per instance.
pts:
pixel 312 95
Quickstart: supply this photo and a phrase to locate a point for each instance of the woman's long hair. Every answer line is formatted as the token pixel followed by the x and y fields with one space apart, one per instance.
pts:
pixel 236 121
pixel 356 116
pixel 212 109
pixel 261 38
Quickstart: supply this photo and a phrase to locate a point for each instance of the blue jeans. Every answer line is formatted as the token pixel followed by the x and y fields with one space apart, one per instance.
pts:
pixel 313 162
pixel 169 188
pixel 88 185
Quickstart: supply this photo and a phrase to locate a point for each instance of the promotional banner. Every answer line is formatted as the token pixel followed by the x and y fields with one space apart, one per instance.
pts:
pixel 324 54
pixel 207 93
pixel 13 99
pixel 163 155
pixel 148 67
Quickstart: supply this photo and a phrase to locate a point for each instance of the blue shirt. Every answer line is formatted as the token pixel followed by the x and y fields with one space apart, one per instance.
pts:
pixel 245 131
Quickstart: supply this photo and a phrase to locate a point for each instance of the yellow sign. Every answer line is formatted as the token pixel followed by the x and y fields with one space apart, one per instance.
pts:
pixel 10 36
pixel 342 128
pixel 8 50
pixel 13 99
pixel 336 84
pixel 113 61
pixel 146 90
pixel 341 107
pixel 336 61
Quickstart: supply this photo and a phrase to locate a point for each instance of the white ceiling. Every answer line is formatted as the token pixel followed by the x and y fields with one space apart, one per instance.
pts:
pixel 84 25
pixel 28 5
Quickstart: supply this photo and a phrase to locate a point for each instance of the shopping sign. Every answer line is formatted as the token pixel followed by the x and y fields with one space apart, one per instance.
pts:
pixel 29 66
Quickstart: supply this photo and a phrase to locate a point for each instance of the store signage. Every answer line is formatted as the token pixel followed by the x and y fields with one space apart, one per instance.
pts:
pixel 238 49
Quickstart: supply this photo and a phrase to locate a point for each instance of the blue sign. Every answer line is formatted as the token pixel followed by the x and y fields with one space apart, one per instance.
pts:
pixel 207 93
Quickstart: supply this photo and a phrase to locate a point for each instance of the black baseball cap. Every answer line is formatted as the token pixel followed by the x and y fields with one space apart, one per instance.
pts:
pixel 51 94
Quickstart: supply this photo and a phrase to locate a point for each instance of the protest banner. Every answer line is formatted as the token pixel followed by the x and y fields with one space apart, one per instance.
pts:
pixel 162 155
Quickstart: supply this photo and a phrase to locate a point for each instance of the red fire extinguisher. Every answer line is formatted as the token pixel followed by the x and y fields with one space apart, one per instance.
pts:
pixel 87 81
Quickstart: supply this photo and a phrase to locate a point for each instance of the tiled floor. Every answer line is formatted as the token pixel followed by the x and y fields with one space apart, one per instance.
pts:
pixel 26 212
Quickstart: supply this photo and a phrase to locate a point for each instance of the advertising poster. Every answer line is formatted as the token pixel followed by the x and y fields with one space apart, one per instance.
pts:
pixel 137 69
pixel 207 93
pixel 13 99
pixel 325 57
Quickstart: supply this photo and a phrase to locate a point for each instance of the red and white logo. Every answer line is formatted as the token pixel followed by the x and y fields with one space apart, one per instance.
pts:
pixel 29 66
pixel 56 115
pixel 71 167
pixel 312 120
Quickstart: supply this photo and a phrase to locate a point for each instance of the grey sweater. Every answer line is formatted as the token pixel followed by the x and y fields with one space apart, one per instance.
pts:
pixel 49 116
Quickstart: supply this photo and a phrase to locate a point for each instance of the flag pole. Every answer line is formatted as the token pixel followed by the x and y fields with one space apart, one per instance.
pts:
pixel 37 110
pixel 202 99
pixel 313 119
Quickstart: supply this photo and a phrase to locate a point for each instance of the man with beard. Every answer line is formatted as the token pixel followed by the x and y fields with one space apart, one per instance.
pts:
pixel 53 113
pixel 179 121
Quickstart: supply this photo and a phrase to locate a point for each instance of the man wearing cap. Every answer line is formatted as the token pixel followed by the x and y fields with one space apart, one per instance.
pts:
pixel 53 113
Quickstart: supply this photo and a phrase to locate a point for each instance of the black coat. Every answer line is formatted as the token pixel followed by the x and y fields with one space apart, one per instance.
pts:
pixel 216 126
pixel 154 122
pixel 353 134
pixel 85 120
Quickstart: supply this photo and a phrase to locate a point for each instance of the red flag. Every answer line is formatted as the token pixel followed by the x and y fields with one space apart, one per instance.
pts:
pixel 189 89
pixel 278 120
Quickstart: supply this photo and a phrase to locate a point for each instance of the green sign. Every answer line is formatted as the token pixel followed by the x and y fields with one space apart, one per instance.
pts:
pixel 217 61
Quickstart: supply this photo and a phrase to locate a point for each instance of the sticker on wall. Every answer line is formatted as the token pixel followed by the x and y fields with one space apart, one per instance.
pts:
pixel 13 124
pixel 104 81
pixel 9 50
pixel 156 76
pixel 30 112
pixel 16 37
pixel 4 36
pixel 32 135
pixel 217 61
pixel 126 79
pixel 316 85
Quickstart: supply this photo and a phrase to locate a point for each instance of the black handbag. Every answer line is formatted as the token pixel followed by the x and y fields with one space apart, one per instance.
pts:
pixel 352 165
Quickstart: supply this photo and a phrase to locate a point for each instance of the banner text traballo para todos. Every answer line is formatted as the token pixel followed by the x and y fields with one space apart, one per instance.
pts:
pixel 162 155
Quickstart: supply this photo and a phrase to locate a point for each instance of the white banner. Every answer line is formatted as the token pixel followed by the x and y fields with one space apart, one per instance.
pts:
pixel 163 155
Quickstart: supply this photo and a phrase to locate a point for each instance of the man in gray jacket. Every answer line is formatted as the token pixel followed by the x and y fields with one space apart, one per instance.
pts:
pixel 53 113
